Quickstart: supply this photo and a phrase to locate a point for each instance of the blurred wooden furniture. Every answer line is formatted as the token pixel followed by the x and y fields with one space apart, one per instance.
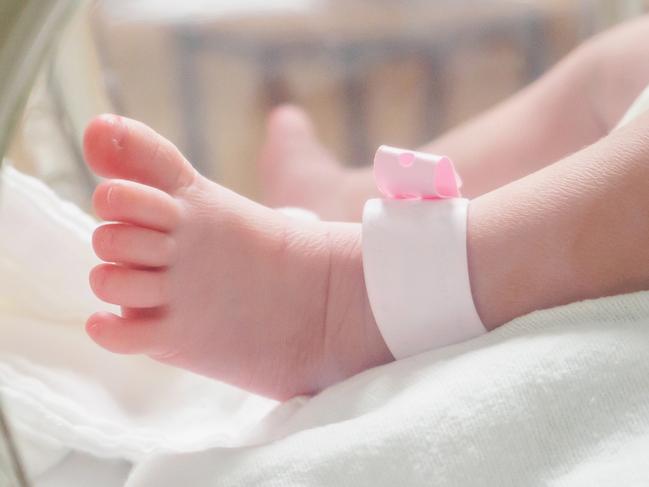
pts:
pixel 352 41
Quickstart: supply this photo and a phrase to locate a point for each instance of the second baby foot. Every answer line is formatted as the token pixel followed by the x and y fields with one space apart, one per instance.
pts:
pixel 217 284
pixel 296 169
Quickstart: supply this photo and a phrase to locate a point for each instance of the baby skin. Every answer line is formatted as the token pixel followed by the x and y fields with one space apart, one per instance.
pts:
pixel 217 284
pixel 212 282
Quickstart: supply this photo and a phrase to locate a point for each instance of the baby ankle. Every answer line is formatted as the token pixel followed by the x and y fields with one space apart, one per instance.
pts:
pixel 353 341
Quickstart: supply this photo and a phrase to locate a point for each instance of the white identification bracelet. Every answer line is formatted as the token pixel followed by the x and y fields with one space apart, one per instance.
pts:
pixel 415 254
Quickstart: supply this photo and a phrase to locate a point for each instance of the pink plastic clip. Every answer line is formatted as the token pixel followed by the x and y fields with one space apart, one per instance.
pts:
pixel 404 174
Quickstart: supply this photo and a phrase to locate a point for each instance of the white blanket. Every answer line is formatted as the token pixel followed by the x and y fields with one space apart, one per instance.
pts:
pixel 559 397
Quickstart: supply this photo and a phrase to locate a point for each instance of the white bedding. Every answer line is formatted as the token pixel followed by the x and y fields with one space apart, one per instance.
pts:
pixel 559 397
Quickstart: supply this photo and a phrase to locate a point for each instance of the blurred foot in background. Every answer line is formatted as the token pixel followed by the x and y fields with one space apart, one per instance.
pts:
pixel 297 170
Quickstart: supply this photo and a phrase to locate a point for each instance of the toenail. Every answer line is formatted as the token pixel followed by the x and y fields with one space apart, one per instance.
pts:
pixel 118 129
pixel 109 195
pixel 114 193
pixel 107 239
pixel 98 278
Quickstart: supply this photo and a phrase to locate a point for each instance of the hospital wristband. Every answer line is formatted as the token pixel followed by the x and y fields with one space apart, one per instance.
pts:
pixel 415 263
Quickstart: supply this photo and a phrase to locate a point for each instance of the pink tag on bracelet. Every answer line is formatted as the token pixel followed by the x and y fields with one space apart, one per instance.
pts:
pixel 404 174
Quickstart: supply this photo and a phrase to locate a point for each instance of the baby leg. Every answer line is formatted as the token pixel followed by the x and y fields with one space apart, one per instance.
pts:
pixel 575 230
pixel 573 105
pixel 219 285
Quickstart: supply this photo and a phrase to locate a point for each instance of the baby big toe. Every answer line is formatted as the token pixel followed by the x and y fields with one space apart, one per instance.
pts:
pixel 131 288
pixel 118 147
pixel 133 245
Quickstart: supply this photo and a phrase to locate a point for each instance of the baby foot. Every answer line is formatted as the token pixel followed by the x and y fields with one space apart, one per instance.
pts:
pixel 296 170
pixel 217 284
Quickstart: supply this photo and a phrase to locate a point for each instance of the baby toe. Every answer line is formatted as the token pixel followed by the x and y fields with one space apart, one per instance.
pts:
pixel 132 288
pixel 134 203
pixel 125 335
pixel 134 245
pixel 118 147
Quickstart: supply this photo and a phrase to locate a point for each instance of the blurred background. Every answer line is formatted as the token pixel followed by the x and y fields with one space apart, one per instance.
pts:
pixel 205 73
